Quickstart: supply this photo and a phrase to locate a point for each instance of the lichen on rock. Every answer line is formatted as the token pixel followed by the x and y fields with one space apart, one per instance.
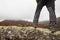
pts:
pixel 26 33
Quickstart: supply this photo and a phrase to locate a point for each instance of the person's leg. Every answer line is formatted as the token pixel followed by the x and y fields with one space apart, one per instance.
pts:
pixel 37 13
pixel 51 8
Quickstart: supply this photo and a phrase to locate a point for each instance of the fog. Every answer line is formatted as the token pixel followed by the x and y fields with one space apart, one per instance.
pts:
pixel 24 9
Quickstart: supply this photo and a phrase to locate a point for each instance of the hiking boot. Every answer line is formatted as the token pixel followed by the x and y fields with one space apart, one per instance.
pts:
pixel 53 30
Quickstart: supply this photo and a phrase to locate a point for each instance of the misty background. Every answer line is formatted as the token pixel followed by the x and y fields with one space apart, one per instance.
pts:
pixel 24 9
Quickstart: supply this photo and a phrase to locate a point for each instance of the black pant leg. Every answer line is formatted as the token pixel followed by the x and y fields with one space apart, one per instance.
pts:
pixel 51 8
pixel 37 13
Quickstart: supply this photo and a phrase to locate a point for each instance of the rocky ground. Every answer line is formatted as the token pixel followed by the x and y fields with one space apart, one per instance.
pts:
pixel 27 33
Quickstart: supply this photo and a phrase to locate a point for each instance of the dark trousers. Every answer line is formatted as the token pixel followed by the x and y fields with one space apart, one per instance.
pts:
pixel 50 4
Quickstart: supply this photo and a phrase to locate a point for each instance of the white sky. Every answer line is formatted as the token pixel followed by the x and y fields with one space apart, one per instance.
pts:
pixel 24 9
